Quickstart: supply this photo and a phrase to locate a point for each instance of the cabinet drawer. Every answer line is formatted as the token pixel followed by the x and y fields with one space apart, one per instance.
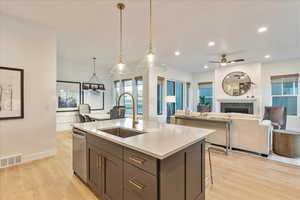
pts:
pixel 141 160
pixel 138 184
pixel 105 145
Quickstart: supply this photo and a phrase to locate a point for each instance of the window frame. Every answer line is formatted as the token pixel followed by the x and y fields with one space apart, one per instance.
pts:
pixel 182 107
pixel 125 97
pixel 295 92
pixel 160 98
pixel 212 92
pixel 188 95
pixel 115 93
pixel 137 95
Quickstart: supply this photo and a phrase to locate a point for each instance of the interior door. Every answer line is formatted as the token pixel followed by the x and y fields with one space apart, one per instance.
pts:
pixel 112 170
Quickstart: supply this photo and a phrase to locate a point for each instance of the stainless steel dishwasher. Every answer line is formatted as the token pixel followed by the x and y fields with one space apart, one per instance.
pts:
pixel 79 154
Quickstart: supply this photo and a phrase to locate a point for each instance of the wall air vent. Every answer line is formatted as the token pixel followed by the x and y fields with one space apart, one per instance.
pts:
pixel 10 161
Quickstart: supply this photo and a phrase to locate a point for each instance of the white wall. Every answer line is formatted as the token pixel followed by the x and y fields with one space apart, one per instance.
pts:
pixel 280 68
pixel 32 48
pixel 69 70
pixel 259 74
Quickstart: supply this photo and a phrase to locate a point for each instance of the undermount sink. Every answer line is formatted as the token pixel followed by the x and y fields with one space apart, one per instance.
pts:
pixel 122 132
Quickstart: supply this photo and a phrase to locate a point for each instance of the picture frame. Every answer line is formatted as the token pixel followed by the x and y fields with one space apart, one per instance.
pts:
pixel 11 93
pixel 94 97
pixel 68 94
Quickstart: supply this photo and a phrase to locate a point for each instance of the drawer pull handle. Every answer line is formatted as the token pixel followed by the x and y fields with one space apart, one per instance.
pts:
pixel 137 160
pixel 137 185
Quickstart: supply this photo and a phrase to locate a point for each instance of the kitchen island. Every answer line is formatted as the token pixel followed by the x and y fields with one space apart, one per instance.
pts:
pixel 153 161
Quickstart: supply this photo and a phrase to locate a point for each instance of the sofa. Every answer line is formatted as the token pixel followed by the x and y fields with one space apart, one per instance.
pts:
pixel 247 132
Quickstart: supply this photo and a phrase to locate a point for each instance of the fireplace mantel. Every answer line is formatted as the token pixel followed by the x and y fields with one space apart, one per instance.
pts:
pixel 254 101
pixel 244 100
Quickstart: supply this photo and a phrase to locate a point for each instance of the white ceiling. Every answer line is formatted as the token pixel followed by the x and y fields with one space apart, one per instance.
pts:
pixel 87 28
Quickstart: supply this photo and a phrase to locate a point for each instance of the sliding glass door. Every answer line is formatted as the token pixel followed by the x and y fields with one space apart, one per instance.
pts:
pixel 179 95
pixel 170 104
pixel 174 97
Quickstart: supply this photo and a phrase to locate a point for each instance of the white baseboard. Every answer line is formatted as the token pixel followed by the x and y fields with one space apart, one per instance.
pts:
pixel 20 159
pixel 39 155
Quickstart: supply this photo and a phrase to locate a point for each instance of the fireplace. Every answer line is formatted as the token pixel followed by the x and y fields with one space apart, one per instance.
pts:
pixel 246 108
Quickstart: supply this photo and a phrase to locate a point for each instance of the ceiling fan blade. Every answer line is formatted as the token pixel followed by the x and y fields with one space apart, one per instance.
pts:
pixel 214 61
pixel 235 61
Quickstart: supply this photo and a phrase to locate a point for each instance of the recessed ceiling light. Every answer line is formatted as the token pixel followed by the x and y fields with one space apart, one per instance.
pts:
pixel 205 67
pixel 211 44
pixel 177 53
pixel 262 29
pixel 267 56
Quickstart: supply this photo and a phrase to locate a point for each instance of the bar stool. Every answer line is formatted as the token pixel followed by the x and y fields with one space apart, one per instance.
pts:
pixel 209 149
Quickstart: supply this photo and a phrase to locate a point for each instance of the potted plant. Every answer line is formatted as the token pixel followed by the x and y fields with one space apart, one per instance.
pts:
pixel 203 106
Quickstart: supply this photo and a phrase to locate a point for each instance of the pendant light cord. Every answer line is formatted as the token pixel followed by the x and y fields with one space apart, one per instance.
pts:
pixel 121 35
pixel 94 60
pixel 150 28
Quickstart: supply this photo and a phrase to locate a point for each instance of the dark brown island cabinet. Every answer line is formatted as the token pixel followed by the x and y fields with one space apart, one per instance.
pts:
pixel 119 173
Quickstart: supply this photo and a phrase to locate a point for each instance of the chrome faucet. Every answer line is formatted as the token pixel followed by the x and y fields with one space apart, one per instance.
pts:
pixel 134 122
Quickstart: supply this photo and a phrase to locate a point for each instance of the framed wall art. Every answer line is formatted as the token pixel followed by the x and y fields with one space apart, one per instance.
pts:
pixel 68 96
pixel 95 98
pixel 11 93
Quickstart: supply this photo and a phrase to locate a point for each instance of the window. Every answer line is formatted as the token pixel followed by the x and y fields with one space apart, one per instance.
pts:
pixel 170 105
pixel 188 93
pixel 139 94
pixel 170 88
pixel 160 89
pixel 174 88
pixel 205 94
pixel 179 95
pixel 285 92
pixel 127 85
pixel 117 91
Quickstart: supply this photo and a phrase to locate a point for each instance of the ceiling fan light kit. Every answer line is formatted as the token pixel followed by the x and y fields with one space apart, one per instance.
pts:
pixel 224 61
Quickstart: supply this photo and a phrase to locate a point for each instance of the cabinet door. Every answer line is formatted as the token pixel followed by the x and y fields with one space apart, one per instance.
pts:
pixel 94 169
pixel 112 170
pixel 195 174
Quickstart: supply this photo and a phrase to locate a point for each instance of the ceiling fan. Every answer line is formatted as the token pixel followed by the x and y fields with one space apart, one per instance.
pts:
pixel 224 61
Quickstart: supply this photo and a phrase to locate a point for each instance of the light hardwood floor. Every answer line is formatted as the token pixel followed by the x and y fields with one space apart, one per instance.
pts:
pixel 237 177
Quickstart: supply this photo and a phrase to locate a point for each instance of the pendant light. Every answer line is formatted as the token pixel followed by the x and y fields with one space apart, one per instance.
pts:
pixel 120 67
pixel 94 82
pixel 150 55
pixel 121 64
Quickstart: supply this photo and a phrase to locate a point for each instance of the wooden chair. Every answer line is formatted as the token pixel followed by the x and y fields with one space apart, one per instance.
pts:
pixel 88 119
pixel 117 112
pixel 84 109
pixel 81 118
pixel 210 149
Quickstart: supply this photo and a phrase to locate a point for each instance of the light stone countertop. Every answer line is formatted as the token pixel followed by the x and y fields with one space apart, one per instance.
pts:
pixel 160 140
